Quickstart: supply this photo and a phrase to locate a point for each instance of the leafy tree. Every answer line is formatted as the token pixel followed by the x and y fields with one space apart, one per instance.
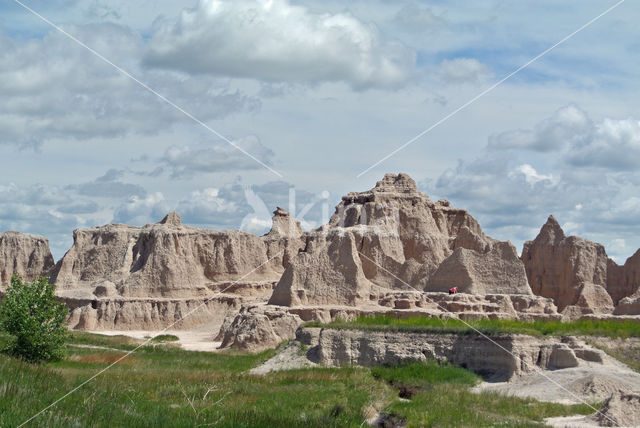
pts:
pixel 34 318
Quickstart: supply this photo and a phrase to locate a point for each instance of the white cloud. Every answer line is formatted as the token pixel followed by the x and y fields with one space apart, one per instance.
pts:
pixel 206 207
pixel 279 41
pixel 614 145
pixel 463 70
pixel 567 125
pixel 531 176
pixel 140 211
pixel 187 161
pixel 416 18
pixel 54 89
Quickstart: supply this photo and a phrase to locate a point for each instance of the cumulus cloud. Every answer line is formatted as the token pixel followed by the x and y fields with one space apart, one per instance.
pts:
pixel 587 178
pixel 206 207
pixel 503 191
pixel 139 211
pixel 250 208
pixel 187 161
pixel 51 211
pixel 463 70
pixel 109 186
pixel 625 213
pixel 417 18
pixel 531 176
pixel 615 144
pixel 512 200
pixel 54 89
pixel 568 125
pixel 277 41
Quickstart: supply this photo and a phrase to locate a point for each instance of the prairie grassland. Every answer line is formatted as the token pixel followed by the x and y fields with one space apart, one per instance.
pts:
pixel 166 386
pixel 608 328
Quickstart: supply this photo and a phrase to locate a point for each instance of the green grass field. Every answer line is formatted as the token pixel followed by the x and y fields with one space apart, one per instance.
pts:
pixel 609 328
pixel 166 386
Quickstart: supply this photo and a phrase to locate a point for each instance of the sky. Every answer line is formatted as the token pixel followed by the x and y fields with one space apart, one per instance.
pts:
pixel 223 110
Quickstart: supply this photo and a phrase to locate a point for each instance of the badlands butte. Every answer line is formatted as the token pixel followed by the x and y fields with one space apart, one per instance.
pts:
pixel 388 250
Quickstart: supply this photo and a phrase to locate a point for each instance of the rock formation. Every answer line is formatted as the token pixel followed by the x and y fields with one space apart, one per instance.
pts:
pixel 629 305
pixel 577 274
pixel 394 237
pixel 623 281
pixel 125 277
pixel 256 328
pixel 166 259
pixel 591 299
pixel 557 266
pixel 622 409
pixel 500 357
pixel 386 250
pixel 26 255
pixel 496 271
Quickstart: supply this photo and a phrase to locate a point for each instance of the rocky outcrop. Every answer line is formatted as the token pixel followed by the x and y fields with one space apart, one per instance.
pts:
pixel 258 327
pixel 500 357
pixel 558 266
pixel 622 409
pixel 394 237
pixel 285 239
pixel 592 299
pixel 125 277
pixel 497 271
pixel 628 305
pixel 119 313
pixel 166 259
pixel 26 255
pixel 577 274
pixel 623 281
pixel 329 271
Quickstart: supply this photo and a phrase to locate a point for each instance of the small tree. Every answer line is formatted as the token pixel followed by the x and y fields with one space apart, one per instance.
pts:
pixel 34 318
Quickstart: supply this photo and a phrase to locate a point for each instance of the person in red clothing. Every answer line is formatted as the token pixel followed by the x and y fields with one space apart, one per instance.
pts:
pixel 453 290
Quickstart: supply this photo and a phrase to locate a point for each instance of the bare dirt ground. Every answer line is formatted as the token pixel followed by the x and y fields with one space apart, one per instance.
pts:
pixel 590 382
pixel 293 356
pixel 190 340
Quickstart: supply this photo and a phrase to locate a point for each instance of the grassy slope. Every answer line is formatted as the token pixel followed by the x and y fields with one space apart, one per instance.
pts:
pixel 610 328
pixel 165 386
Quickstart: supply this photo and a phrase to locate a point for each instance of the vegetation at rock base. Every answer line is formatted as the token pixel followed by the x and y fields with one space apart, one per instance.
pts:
pixel 166 386
pixel 609 328
pixel 165 338
pixel 34 320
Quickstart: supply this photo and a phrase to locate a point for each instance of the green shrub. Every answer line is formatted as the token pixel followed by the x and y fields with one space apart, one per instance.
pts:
pixel 34 319
pixel 165 338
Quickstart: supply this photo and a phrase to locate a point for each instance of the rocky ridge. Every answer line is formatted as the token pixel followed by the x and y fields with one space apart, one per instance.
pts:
pixel 26 255
pixel 394 237
pixel 577 274
pixel 386 250
pixel 124 277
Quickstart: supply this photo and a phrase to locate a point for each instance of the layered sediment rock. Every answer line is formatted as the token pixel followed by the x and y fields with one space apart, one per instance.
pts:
pixel 258 327
pixel 166 259
pixel 623 281
pixel 557 266
pixel 500 357
pixel 591 299
pixel 577 274
pixel 120 313
pixel 629 305
pixel 26 255
pixel 622 409
pixel 496 271
pixel 125 277
pixel 394 237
